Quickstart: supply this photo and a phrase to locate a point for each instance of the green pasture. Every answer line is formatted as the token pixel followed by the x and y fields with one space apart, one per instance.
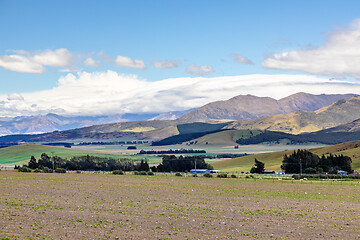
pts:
pixel 21 154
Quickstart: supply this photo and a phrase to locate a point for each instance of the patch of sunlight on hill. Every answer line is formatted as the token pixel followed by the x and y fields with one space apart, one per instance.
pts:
pixel 139 129
pixel 308 128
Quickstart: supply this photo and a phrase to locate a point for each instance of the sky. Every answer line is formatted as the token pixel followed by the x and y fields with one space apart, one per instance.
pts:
pixel 115 57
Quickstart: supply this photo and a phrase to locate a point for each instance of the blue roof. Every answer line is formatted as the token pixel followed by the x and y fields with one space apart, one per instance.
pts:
pixel 200 171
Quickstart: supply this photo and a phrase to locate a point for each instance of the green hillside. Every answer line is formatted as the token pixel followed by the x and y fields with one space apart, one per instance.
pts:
pixel 273 160
pixel 22 153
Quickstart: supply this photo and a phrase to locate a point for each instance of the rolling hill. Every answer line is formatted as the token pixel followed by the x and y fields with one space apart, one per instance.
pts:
pixel 353 126
pixel 273 160
pixel 20 154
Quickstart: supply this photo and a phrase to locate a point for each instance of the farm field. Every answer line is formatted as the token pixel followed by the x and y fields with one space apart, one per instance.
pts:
pixel 210 149
pixel 106 206
pixel 21 154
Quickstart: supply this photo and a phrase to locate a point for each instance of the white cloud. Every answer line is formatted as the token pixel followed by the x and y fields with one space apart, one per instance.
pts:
pixel 199 70
pixel 59 58
pixel 90 62
pixel 166 64
pixel 123 61
pixel 339 56
pixel 112 93
pixel 18 63
pixel 26 63
pixel 241 59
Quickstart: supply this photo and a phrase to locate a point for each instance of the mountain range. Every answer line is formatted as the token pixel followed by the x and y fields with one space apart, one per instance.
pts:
pixel 308 113
pixel 249 107
pixel 242 107
pixel 341 112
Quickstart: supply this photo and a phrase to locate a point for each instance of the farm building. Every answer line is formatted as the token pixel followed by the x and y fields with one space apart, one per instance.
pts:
pixel 199 171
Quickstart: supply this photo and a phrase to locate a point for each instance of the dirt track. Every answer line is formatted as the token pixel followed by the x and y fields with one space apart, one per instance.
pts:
pixel 105 206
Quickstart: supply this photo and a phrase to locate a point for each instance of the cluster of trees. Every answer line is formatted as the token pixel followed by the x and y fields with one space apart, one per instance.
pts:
pixel 177 151
pixel 87 162
pixel 113 143
pixel 258 168
pixel 303 161
pixel 181 164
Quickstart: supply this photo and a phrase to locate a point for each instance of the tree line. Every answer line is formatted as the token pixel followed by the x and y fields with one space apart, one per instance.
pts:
pixel 177 151
pixel 87 163
pixel 170 163
pixel 303 161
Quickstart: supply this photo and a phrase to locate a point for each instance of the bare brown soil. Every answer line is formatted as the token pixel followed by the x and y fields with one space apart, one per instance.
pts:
pixel 105 206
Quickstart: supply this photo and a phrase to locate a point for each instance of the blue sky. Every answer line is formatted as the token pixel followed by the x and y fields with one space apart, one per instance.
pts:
pixel 157 41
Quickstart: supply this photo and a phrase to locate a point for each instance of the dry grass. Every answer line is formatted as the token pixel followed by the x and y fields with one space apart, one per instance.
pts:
pixel 105 206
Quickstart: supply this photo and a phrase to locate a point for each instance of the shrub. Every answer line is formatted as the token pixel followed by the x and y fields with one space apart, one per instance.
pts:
pixel 78 171
pixel 60 170
pixel 247 176
pixel 118 172
pixel 222 175
pixel 310 170
pixel 24 169
pixel 37 170
pixel 140 173
pixel 178 174
pixel 150 173
pixel 233 176
pixel 296 177
pixel 47 170
pixel 208 175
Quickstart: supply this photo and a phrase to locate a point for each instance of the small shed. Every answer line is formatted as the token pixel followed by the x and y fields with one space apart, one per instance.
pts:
pixel 341 172
pixel 199 171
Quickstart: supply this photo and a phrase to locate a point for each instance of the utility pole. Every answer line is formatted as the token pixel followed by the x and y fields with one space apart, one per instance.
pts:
pixel 195 167
pixel 300 168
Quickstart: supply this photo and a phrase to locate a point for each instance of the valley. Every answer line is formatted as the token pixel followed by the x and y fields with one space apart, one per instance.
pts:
pixel 311 125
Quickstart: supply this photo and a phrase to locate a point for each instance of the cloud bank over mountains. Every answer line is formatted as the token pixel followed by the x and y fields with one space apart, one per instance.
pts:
pixel 108 92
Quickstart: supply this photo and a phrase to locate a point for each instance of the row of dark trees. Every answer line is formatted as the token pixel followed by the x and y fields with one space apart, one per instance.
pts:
pixel 88 163
pixel 170 163
pixel 303 161
pixel 112 143
pixel 177 151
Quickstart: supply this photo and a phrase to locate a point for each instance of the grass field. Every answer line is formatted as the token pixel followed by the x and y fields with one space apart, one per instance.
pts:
pixel 273 160
pixel 106 206
pixel 21 154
